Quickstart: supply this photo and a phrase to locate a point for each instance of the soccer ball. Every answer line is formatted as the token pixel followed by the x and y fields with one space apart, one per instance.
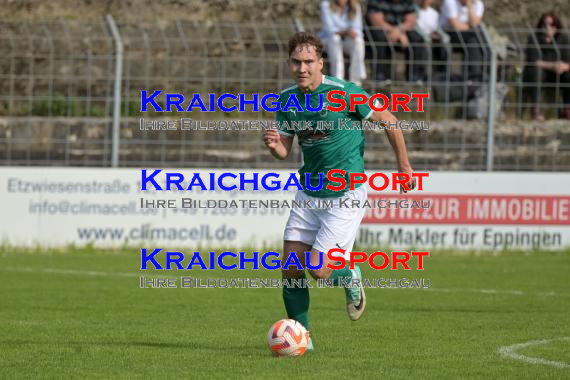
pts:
pixel 287 337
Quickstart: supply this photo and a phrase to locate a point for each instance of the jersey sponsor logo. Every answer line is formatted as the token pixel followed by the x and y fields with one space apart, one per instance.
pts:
pixel 324 111
pixel 309 136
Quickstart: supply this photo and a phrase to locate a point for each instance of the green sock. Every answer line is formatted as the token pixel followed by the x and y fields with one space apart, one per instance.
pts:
pixel 340 273
pixel 296 301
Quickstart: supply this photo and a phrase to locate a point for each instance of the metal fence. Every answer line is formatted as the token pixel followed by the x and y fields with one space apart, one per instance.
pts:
pixel 62 83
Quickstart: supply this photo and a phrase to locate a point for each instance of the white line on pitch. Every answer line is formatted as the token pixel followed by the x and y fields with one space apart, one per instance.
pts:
pixel 79 272
pixel 153 274
pixel 511 353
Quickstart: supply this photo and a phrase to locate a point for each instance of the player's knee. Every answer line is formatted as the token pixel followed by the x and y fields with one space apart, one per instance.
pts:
pixel 291 272
pixel 321 273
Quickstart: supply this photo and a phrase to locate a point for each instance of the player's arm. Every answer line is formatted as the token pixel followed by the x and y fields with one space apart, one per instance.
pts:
pixel 278 144
pixel 396 138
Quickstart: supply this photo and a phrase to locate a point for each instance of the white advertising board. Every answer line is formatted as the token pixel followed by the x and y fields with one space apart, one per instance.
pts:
pixel 468 210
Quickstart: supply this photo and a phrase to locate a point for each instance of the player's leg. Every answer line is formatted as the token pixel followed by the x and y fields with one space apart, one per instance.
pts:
pixel 339 227
pixel 300 232
pixel 349 279
pixel 324 272
pixel 296 298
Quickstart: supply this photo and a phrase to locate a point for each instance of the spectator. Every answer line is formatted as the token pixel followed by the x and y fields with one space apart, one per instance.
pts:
pixel 428 19
pixel 461 20
pixel 548 60
pixel 394 22
pixel 342 32
pixel 428 26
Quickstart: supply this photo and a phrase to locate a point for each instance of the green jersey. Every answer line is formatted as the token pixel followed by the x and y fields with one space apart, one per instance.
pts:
pixel 327 138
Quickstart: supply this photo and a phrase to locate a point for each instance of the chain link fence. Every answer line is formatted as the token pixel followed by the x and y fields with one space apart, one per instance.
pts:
pixel 59 84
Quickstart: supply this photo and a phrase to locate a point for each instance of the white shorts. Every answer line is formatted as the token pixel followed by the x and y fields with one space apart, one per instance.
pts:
pixel 330 227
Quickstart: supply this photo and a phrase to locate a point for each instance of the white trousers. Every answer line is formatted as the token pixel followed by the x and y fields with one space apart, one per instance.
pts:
pixel 336 46
pixel 324 228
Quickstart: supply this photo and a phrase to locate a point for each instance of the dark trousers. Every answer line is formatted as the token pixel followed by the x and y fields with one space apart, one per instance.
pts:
pixel 440 58
pixel 476 53
pixel 534 77
pixel 416 55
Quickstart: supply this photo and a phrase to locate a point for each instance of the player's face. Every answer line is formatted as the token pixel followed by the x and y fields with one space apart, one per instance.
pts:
pixel 306 67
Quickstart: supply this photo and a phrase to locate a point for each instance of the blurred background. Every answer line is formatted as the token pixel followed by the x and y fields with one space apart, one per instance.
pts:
pixel 71 154
pixel 498 74
pixel 59 76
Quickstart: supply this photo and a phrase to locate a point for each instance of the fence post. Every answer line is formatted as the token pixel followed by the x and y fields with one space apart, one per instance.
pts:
pixel 491 111
pixel 117 90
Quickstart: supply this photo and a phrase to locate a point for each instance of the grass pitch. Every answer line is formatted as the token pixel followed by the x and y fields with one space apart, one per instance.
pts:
pixel 81 314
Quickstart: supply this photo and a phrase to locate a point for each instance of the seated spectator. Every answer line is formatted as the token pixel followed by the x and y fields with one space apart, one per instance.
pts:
pixel 342 32
pixel 548 60
pixel 428 26
pixel 393 22
pixel 428 19
pixel 461 20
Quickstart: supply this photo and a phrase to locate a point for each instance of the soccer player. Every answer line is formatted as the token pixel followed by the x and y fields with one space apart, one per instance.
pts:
pixel 319 230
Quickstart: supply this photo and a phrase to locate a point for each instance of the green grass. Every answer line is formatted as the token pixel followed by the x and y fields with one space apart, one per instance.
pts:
pixel 57 321
pixel 554 351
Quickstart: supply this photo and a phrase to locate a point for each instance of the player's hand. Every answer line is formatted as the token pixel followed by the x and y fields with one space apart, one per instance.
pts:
pixel 271 138
pixel 411 183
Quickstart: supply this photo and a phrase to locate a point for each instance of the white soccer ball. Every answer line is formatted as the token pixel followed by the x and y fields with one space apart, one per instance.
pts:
pixel 287 337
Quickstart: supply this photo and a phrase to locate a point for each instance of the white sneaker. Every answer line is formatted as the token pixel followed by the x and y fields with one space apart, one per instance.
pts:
pixel 355 296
